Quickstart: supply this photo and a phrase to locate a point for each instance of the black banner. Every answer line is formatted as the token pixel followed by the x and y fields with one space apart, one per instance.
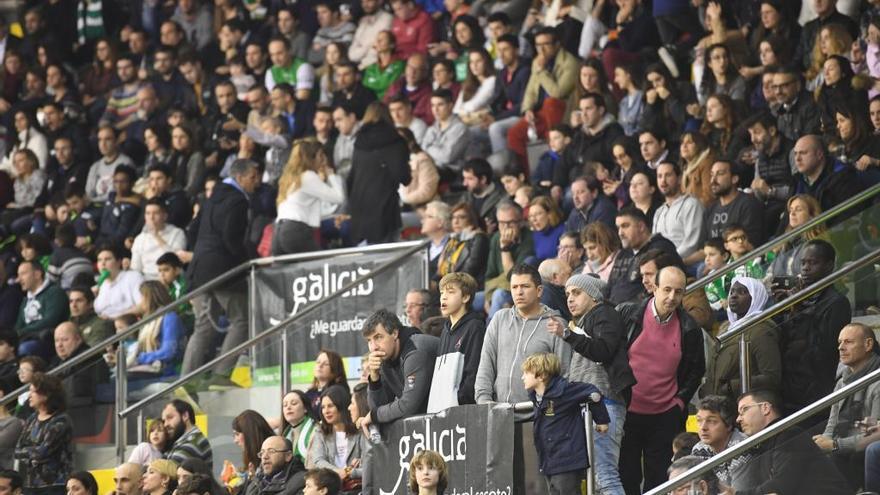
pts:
pixel 477 443
pixel 285 290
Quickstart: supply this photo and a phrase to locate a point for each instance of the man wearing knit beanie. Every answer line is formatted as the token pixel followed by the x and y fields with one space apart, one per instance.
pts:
pixel 597 337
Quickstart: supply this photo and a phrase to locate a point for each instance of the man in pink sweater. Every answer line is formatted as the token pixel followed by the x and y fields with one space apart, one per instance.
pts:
pixel 412 27
pixel 665 348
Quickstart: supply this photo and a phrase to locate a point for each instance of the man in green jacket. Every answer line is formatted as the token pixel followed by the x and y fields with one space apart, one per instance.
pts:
pixel 44 307
pixel 508 247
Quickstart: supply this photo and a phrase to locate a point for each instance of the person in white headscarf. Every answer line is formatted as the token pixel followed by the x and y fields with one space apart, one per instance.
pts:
pixel 747 296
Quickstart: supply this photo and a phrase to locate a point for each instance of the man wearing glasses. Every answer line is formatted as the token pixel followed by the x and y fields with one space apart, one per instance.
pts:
pixel 789 462
pixel 280 471
pixel 794 109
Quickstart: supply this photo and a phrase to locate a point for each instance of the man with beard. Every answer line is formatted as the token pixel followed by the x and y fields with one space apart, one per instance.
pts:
pixel 624 282
pixel 482 193
pixel 187 441
pixel 122 106
pixel 731 205
pixel 596 335
pixel 82 314
pixel 280 471
pixel 772 181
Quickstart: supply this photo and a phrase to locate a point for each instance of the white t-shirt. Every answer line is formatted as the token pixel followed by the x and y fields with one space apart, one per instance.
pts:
pixel 341 449
pixel 116 297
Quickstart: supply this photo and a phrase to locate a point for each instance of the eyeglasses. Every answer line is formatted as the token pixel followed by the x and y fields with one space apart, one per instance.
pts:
pixel 783 85
pixel 508 222
pixel 743 409
pixel 737 238
pixel 268 452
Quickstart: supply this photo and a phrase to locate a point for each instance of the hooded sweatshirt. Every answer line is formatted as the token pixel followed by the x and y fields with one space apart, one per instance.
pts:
pixel 466 337
pixel 510 339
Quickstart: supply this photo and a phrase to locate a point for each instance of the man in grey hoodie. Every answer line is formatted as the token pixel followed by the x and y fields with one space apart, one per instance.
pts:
pixel 513 335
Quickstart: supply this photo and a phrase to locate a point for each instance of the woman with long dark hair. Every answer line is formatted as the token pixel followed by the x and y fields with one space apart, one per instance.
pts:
pixel 721 75
pixel 82 483
pixel 719 127
pixel 466 35
pixel 45 451
pixel 839 89
pixel 339 445
pixel 859 148
pixel 477 91
pixel 329 371
pixel 186 159
pixel 249 430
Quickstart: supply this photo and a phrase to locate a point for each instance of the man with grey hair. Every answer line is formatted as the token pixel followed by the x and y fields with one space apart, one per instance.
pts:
pixel 706 484
pixel 510 245
pixel 554 272
pixel 221 229
pixel 436 224
pixel 597 338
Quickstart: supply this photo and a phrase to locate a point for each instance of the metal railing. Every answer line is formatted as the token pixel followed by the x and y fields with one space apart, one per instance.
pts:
pixel 96 352
pixel 767 433
pixel 281 328
pixel 794 299
pixel 770 245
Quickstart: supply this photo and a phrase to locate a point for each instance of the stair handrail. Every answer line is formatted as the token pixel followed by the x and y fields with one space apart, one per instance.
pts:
pixel 798 297
pixel 273 330
pixel 99 349
pixel 767 433
pixel 782 239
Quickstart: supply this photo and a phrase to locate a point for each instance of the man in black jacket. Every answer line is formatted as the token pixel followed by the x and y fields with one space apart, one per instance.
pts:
pixel 796 113
pixel 665 349
pixel 592 144
pixel 809 333
pixel 596 335
pixel 462 334
pixel 830 182
pixel 280 472
pixel 624 282
pixel 510 86
pixel 219 247
pixel 401 364
pixel 789 462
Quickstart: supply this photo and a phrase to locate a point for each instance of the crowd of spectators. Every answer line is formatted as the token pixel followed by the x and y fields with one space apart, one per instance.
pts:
pixel 573 165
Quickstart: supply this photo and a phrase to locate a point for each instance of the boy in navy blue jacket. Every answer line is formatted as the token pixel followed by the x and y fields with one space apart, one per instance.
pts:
pixel 560 437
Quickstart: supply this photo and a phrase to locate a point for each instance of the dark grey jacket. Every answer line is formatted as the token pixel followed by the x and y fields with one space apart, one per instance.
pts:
pixel 404 383
pixel 290 481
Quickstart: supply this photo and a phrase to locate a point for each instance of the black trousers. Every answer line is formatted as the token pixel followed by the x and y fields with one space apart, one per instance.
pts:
pixel 646 450
pixel 291 236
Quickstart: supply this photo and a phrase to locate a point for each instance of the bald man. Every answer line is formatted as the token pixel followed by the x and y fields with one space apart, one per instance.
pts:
pixel 127 479
pixel 666 356
pixel 68 341
pixel 280 471
pixel 830 182
pixel 554 273
pixel 857 347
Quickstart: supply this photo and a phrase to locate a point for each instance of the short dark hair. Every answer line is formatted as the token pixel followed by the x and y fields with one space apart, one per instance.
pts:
pixel 634 213
pixel 658 133
pixel 35 266
pixel 162 169
pixel 596 97
pixel 479 167
pixel 563 129
pixel 389 321
pixel 323 478
pixel 155 201
pixel 114 248
pixel 526 269
pixel 661 259
pixel 508 38
pixel 716 243
pixel 734 227
pixel 442 93
pixel 825 249
pixel 10 337
pixel 169 258
pixel 734 168
pixel 676 168
pixel 65 235
pixel 764 395
pixel 765 119
pixel 128 171
pixel 501 17
pixel 86 291
pixel 15 479
pixel 53 389
pixel 548 31
pixel 183 407
pixel 720 405
pixel 573 235
pixel 591 181
pixel 400 98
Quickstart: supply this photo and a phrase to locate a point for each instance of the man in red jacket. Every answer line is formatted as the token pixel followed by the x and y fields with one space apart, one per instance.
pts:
pixel 412 27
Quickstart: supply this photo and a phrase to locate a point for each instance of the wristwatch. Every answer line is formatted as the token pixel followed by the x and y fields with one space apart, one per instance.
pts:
pixel 835 446
pixel 566 332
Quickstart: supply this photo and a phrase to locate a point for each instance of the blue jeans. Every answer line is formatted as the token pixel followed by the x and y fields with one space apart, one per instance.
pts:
pixel 872 467
pixel 606 449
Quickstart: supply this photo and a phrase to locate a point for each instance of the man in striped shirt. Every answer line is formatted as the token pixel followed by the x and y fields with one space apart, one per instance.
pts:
pixel 188 441
pixel 122 106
